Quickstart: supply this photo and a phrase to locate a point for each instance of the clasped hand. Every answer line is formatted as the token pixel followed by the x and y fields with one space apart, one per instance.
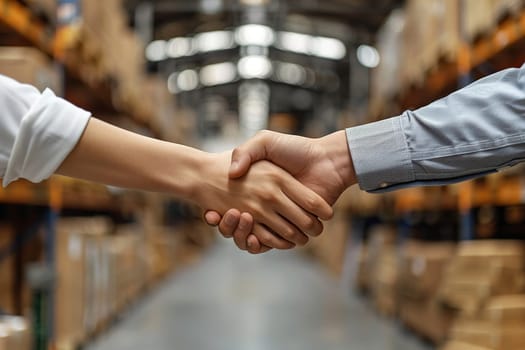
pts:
pixel 306 169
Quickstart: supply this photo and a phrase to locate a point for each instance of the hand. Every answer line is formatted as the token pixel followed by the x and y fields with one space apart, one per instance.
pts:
pixel 272 196
pixel 324 165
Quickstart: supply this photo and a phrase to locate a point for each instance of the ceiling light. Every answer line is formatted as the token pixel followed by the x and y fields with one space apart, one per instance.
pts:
pixel 211 7
pixel 254 2
pixel 295 42
pixel 179 47
pixel 368 56
pixel 255 34
pixel 186 80
pixel 328 48
pixel 291 73
pixel 156 51
pixel 251 67
pixel 218 74
pixel 214 41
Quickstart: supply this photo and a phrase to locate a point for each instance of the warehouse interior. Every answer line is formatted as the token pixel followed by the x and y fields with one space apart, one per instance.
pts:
pixel 89 266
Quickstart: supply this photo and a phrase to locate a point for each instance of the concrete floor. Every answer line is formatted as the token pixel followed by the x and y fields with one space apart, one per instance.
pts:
pixel 234 301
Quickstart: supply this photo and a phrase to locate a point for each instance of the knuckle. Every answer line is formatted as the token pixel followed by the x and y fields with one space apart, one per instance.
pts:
pixel 236 152
pixel 288 233
pixel 313 203
pixel 268 196
pixel 262 134
pixel 310 224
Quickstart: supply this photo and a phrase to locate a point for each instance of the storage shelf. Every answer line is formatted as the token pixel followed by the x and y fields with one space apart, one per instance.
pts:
pixel 58 195
pixel 504 47
pixel 59 44
pixel 21 20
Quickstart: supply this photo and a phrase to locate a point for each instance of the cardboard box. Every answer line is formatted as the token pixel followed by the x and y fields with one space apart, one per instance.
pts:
pixel 48 7
pixel 507 309
pixel 30 66
pixel 422 267
pixel 15 334
pixel 330 247
pixel 456 345
pixel 481 270
pixel 487 334
pixel 78 267
pixel 69 312
pixel 427 318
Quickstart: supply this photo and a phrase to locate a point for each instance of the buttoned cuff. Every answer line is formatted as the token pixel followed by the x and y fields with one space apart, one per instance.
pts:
pixel 380 154
pixel 48 133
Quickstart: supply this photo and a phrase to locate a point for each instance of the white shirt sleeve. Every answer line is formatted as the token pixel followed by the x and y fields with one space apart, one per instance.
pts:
pixel 37 131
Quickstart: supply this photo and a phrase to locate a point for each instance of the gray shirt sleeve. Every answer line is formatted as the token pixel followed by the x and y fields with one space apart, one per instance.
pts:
pixel 472 132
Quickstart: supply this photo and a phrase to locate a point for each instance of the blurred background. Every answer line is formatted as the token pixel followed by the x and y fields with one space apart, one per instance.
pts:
pixel 87 266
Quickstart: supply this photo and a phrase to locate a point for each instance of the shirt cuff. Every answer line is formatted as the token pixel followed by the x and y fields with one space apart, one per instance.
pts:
pixel 380 154
pixel 48 133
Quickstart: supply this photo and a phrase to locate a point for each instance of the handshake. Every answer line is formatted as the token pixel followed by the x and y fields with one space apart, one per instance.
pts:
pixel 284 185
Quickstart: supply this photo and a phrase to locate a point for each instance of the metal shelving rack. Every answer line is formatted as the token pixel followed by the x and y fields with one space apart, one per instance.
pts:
pixel 53 196
pixel 502 48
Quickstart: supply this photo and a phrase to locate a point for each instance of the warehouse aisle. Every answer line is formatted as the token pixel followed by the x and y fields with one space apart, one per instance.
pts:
pixel 234 301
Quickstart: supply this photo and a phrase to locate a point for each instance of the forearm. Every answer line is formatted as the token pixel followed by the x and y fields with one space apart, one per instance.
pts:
pixel 117 157
pixel 470 133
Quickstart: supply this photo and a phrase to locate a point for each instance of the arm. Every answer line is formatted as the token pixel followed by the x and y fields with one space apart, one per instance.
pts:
pixel 472 132
pixel 111 155
pixel 45 130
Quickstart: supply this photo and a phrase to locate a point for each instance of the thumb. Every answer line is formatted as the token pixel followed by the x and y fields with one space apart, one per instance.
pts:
pixel 250 152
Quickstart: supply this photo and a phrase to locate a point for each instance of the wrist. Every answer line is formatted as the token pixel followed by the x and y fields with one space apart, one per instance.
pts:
pixel 337 150
pixel 188 168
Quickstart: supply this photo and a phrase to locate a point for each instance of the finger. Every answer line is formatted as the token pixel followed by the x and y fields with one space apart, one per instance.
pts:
pixel 307 199
pixel 245 227
pixel 253 244
pixel 212 218
pixel 255 247
pixel 269 239
pixel 229 222
pixel 242 230
pixel 250 152
pixel 283 229
pixel 304 221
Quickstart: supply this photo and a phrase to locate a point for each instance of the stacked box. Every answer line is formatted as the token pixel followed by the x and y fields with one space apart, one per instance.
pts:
pixel 431 33
pixel 102 269
pixel 76 269
pixel 116 51
pixel 498 327
pixel 163 103
pixel 30 66
pixel 455 345
pixel 330 247
pixel 478 18
pixel 481 270
pixel 7 269
pixel 362 279
pixel 129 270
pixel 163 252
pixel 385 78
pixel 481 17
pixel 383 269
pixel 48 7
pixel 422 267
pixel 15 333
